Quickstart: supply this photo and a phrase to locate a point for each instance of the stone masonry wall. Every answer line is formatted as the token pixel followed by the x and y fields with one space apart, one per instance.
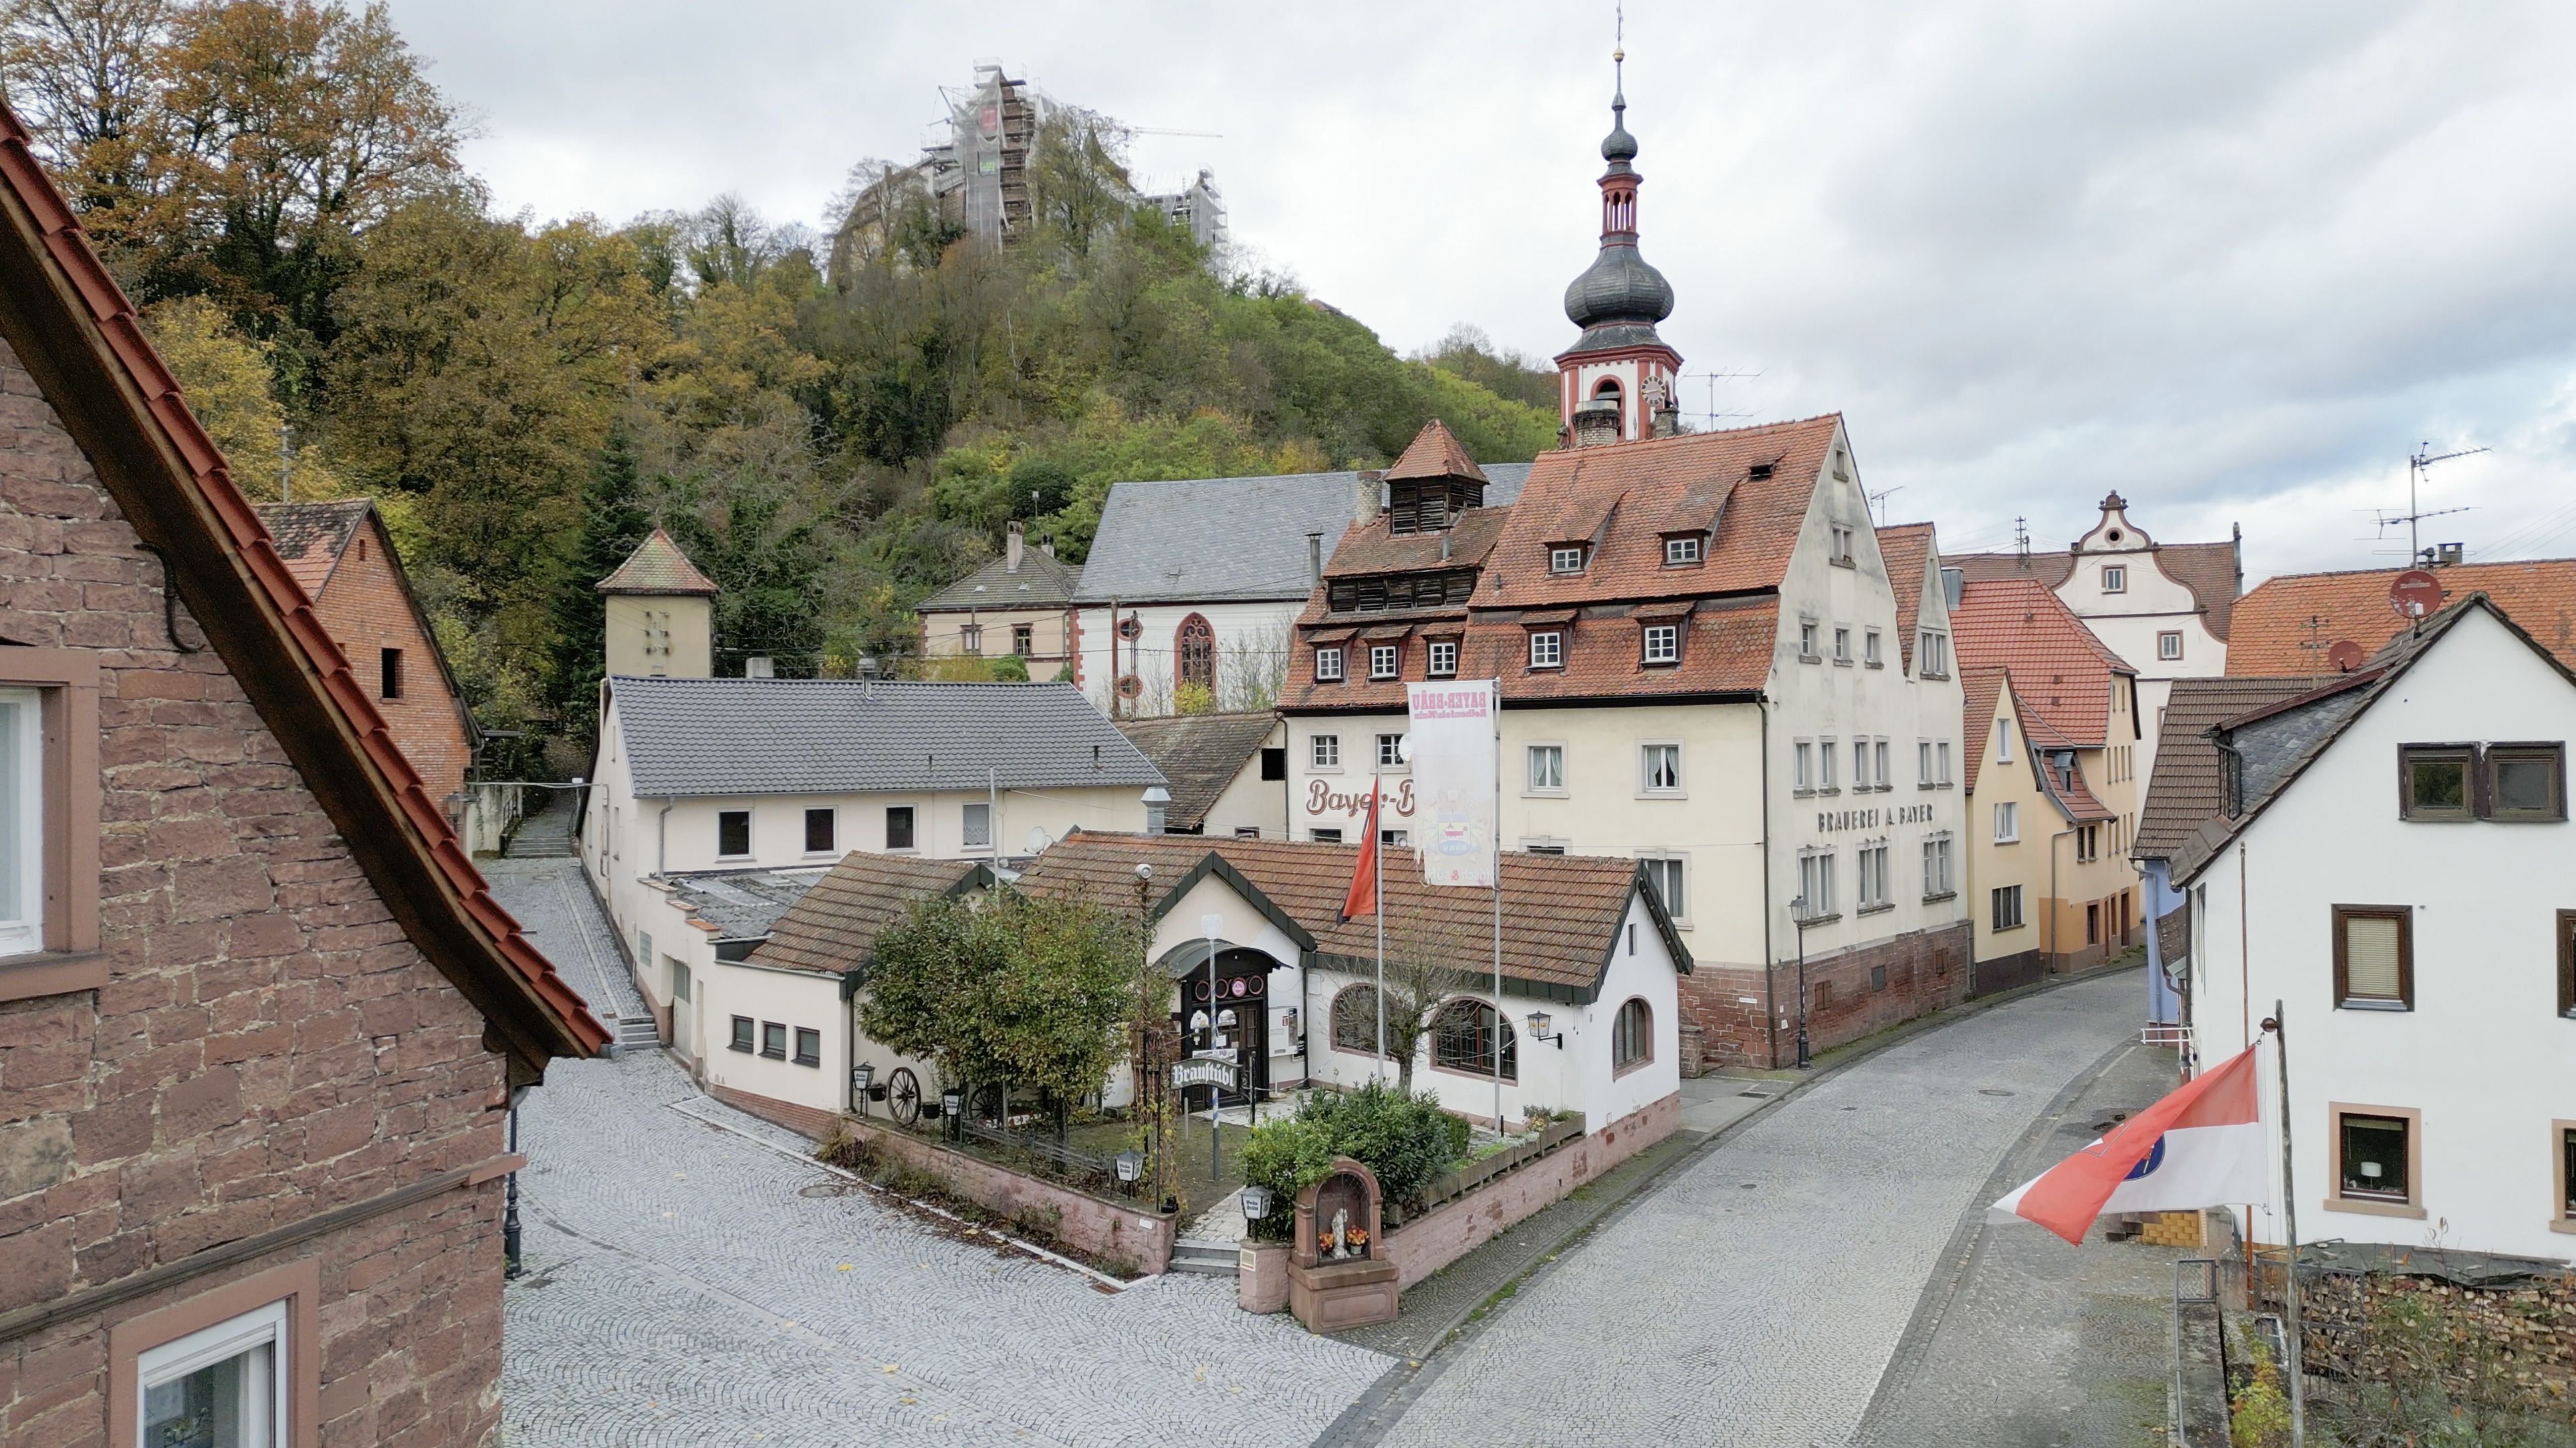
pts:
pixel 1454 1229
pixel 268 1046
pixel 366 610
pixel 1851 995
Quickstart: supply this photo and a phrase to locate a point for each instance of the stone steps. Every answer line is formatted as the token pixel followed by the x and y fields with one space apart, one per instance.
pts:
pixel 636 1033
pixel 1215 1259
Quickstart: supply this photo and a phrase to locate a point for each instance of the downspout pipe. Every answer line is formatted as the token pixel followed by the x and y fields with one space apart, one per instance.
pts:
pixel 1770 994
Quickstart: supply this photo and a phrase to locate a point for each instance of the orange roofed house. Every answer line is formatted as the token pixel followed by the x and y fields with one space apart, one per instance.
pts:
pixel 2290 625
pixel 260 1019
pixel 1710 661
pixel 2053 742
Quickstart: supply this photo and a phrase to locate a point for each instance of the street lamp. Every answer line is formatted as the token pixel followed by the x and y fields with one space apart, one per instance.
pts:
pixel 1538 1024
pixel 1256 1202
pixel 1212 925
pixel 951 1102
pixel 1798 912
pixel 1129 1166
pixel 861 1077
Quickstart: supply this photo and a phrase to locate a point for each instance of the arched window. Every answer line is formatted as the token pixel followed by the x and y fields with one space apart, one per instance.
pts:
pixel 1195 653
pixel 1607 388
pixel 1355 1020
pixel 1463 1040
pixel 1632 1035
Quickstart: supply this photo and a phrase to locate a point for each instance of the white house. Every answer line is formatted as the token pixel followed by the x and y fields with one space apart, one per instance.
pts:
pixel 784 774
pixel 2389 860
pixel 1228 772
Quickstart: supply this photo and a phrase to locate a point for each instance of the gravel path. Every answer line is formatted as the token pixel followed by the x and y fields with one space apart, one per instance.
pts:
pixel 1755 1298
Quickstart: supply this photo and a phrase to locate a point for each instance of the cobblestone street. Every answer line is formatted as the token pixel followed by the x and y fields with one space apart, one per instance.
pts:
pixel 684 1289
pixel 1755 1298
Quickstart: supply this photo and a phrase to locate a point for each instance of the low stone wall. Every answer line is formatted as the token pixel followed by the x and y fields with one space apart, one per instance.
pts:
pixel 803 1120
pixel 1854 994
pixel 1099 1227
pixel 1450 1231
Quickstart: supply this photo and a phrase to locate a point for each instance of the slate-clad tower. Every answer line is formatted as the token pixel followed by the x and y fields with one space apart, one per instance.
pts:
pixel 1617 379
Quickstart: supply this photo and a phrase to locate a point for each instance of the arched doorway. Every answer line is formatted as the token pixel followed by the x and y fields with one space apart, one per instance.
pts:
pixel 1194 654
pixel 1229 1014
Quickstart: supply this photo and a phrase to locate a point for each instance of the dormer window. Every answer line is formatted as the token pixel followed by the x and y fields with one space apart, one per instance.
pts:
pixel 2115 578
pixel 1328 665
pixel 1759 473
pixel 1547 649
pixel 1681 550
pixel 1565 558
pixel 1663 643
pixel 1382 661
pixel 1444 658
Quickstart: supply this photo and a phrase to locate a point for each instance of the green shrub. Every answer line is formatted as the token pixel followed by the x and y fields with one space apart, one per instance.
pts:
pixel 1287 1155
pixel 1406 1139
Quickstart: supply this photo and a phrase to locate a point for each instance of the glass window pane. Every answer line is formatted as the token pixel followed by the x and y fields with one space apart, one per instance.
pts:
pixel 2526 783
pixel 15 796
pixel 2374 1157
pixel 2438 782
pixel 2371 957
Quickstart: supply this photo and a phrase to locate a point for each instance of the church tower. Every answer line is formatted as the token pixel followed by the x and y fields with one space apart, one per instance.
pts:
pixel 1616 383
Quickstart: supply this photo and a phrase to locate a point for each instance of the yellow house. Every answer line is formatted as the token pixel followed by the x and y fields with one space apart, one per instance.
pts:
pixel 1020 603
pixel 2051 726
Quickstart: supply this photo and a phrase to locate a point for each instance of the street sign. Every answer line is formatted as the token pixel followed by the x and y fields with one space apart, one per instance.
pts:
pixel 1202 1071
pixel 2414 593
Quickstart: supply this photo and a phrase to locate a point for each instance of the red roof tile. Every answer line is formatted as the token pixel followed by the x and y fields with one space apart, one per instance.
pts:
pixel 2061 673
pixel 1906 549
pixel 657 566
pixel 1434 453
pixel 311 537
pixel 1727 646
pixel 2273 634
pixel 1983 689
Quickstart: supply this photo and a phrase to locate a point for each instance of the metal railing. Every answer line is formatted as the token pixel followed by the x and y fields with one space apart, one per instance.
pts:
pixel 1081 1166
pixel 2200 1417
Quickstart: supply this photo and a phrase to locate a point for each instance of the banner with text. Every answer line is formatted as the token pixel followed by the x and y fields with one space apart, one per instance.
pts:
pixel 1452 753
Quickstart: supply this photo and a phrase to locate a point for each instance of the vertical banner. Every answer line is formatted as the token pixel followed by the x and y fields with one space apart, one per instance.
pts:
pixel 1452 753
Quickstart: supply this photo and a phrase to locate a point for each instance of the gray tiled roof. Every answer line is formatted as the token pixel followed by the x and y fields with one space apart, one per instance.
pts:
pixel 742 904
pixel 1216 539
pixel 1202 753
pixel 1042 580
pixel 688 738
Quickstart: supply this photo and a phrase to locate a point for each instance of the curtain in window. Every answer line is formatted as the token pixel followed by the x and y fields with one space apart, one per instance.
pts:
pixel 2370 956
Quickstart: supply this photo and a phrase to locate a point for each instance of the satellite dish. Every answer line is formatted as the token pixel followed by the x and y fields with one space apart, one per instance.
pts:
pixel 1039 839
pixel 2345 655
pixel 2414 593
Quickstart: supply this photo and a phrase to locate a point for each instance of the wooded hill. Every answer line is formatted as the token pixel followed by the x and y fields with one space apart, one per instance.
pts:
pixel 278 185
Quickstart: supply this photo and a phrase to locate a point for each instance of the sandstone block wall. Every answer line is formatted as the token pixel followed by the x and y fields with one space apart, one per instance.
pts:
pixel 1850 995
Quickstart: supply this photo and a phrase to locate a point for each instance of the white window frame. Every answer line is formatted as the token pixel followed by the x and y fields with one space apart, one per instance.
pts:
pixel 1390 751
pixel 1942 749
pixel 1807 640
pixel 1443 657
pixel 1324 751
pixel 1563 560
pixel 1681 550
pixel 1546 649
pixel 1661 861
pixel 1874 888
pixel 261 1327
pixel 2168 649
pixel 1932 655
pixel 1824 764
pixel 1816 882
pixel 1839 544
pixel 1860 766
pixel 1386 661
pixel 1646 788
pixel 22 815
pixel 1937 866
pixel 1543 769
pixel 2003 739
pixel 2007 822
pixel 1842 644
pixel 2115 578
pixel 966 825
pixel 1802 773
pixel 2020 908
pixel 1663 643
pixel 1923 776
pixel 1870 653
pixel 1880 771
pixel 1328 664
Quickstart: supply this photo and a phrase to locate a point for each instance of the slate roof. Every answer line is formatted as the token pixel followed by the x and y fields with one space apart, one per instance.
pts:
pixel 657 566
pixel 741 904
pixel 2207 569
pixel 1561 913
pixel 1200 754
pixel 97 369
pixel 1907 549
pixel 310 537
pixel 1221 539
pixel 2272 620
pixel 2182 791
pixel 2062 674
pixel 832 928
pixel 689 738
pixel 1042 581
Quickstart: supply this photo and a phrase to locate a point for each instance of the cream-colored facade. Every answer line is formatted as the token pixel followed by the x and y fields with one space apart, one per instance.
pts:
pixel 1043 636
pixel 2049 891
pixel 661 635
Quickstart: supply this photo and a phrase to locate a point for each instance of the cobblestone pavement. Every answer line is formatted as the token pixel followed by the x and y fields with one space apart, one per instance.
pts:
pixel 554 905
pixel 684 1289
pixel 2031 1343
pixel 1755 1297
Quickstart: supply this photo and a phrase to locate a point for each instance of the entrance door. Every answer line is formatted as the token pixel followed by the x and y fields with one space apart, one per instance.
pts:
pixel 1236 1018
pixel 682 1009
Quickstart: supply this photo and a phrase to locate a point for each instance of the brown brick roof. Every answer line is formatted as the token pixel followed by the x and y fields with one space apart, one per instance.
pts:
pixel 2061 673
pixel 832 928
pixel 2207 569
pixel 173 484
pixel 1434 453
pixel 310 537
pixel 1983 689
pixel 1727 646
pixel 1200 754
pixel 1906 549
pixel 2272 620
pixel 1561 913
pixel 2182 792
pixel 1634 488
pixel 1374 548
pixel 657 566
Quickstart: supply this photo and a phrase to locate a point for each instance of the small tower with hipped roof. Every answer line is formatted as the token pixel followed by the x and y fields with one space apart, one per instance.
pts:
pixel 661 613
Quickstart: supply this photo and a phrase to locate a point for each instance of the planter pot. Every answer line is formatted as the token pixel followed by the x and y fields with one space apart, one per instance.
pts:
pixel 1261 1276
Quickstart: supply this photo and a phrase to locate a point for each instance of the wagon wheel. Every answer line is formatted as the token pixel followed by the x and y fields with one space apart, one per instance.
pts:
pixel 903 1096
pixel 989 1103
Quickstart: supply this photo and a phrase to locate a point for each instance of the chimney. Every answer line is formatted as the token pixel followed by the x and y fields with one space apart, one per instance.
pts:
pixel 1314 558
pixel 1364 496
pixel 759 667
pixel 1047 545
pixel 1013 540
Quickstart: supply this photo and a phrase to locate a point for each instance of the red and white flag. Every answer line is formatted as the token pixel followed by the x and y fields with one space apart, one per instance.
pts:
pixel 1361 898
pixel 2201 1146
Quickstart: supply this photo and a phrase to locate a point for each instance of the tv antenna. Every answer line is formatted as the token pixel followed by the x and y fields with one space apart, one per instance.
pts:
pixel 1714 378
pixel 2422 458
pixel 1878 502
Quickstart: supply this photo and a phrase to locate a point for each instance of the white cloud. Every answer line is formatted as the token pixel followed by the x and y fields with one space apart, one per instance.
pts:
pixel 2235 261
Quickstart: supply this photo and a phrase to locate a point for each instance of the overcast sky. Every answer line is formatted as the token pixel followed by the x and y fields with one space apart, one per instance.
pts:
pixel 2235 261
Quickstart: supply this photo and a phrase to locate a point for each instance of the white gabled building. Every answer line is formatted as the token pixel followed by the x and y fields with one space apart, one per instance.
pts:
pixel 2389 859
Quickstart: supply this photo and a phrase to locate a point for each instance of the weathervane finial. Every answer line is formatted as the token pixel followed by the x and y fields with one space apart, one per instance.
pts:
pixel 1619 57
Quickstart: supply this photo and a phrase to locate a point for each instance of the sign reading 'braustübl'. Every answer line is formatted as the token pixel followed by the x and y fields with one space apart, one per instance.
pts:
pixel 1452 749
pixel 1202 1071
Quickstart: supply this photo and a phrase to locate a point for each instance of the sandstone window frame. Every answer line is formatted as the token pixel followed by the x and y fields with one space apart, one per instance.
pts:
pixel 66 682
pixel 296 1285
pixel 2340 1197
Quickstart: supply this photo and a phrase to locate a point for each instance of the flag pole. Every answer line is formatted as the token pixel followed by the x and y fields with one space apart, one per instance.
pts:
pixel 2293 1348
pixel 1494 850
pixel 1377 886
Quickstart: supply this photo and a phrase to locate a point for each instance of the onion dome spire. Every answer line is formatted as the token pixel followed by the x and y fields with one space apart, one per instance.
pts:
pixel 1619 298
